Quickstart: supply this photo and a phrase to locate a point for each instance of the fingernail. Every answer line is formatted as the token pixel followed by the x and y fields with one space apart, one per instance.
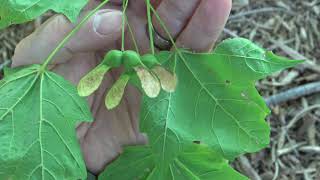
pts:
pixel 107 22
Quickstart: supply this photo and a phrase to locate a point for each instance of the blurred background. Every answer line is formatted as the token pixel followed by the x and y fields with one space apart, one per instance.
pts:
pixel 290 28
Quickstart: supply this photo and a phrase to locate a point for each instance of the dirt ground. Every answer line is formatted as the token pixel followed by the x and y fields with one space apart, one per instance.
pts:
pixel 287 27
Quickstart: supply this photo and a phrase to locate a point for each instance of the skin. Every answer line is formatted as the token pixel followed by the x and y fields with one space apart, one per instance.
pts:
pixel 195 24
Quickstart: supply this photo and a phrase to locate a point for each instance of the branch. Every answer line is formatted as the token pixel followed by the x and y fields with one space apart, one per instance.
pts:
pixel 294 93
pixel 257 11
pixel 248 169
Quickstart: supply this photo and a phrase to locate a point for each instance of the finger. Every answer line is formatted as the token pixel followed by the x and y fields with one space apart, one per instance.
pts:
pixel 206 25
pixel 78 66
pixel 94 3
pixel 101 31
pixel 110 131
pixel 155 3
pixel 175 15
pixel 73 70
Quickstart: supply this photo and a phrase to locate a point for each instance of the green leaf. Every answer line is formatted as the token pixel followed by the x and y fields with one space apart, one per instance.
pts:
pixel 20 11
pixel 188 162
pixel 215 103
pixel 168 156
pixel 7 71
pixel 38 114
pixel 115 94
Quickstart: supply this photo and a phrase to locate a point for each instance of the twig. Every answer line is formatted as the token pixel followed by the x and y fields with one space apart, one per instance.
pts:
pixel 276 171
pixel 257 11
pixel 4 64
pixel 230 33
pixel 310 149
pixel 287 150
pixel 306 176
pixel 310 170
pixel 247 168
pixel 300 115
pixel 294 93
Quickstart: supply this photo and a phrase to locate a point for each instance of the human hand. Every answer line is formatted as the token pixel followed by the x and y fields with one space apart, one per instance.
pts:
pixel 195 24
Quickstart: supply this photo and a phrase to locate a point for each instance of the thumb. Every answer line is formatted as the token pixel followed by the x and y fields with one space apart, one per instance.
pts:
pixel 101 31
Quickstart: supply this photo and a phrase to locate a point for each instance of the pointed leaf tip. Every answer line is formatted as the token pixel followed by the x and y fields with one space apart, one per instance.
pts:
pixel 255 62
pixel 91 82
pixel 283 60
pixel 116 92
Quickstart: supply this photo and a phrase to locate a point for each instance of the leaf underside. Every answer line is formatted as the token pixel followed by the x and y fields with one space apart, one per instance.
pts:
pixel 20 11
pixel 38 115
pixel 181 162
pixel 215 103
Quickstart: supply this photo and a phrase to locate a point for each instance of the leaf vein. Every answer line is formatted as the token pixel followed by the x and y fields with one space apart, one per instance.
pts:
pixel 63 140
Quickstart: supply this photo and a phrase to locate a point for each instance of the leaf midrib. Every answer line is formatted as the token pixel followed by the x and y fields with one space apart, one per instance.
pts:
pixel 236 56
pixel 40 126
pixel 54 81
pixel 166 127
pixel 41 119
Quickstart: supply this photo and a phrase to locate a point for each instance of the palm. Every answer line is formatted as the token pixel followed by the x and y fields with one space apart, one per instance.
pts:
pixel 102 140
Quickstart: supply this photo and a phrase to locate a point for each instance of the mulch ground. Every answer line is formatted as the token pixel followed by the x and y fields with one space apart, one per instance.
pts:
pixel 290 28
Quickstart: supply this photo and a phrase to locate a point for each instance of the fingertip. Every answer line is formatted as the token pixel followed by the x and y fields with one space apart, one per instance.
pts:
pixel 222 9
pixel 206 25
pixel 219 8
pixel 107 22
pixel 219 12
pixel 142 139
pixel 227 4
pixel 102 31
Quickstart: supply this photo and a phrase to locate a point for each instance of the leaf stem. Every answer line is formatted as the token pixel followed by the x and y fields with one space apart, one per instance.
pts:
pixel 150 26
pixel 168 33
pixel 124 19
pixel 162 24
pixel 67 38
pixel 132 36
